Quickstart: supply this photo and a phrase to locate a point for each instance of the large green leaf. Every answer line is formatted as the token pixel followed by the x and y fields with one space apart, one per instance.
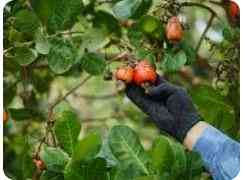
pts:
pixel 67 129
pixel 61 56
pixel 54 159
pixel 92 170
pixel 26 21
pixel 162 155
pixel 106 21
pixel 24 55
pixel 173 62
pixel 57 14
pixel 105 152
pixel 131 8
pixel 49 175
pixel 194 164
pixel 154 177
pixel 126 147
pixel 87 148
pixel 180 163
pixel 93 63
pixel 213 107
pixel 94 39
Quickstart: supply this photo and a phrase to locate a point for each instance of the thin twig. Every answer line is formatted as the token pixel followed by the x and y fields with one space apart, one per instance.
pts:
pixel 69 92
pixel 216 3
pixel 114 116
pixel 188 4
pixel 209 24
pixel 97 97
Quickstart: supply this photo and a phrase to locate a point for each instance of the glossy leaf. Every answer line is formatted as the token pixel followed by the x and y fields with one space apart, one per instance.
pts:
pixel 213 107
pixel 149 24
pixel 131 8
pixel 26 21
pixel 126 147
pixel 93 170
pixel 42 44
pixel 87 148
pixel 93 63
pixel 54 159
pixel 106 21
pixel 173 62
pixel 61 56
pixel 24 55
pixel 49 175
pixel 67 129
pixel 162 155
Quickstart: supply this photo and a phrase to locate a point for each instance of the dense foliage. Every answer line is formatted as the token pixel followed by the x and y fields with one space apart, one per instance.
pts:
pixel 66 117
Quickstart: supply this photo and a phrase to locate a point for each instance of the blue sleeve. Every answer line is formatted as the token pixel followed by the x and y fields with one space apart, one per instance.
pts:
pixel 221 154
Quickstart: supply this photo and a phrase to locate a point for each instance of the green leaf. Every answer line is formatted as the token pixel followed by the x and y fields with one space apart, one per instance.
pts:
pixel 149 24
pixel 126 147
pixel 105 20
pixel 154 177
pixel 144 54
pixel 55 159
pixel 213 107
pixel 24 55
pixel 67 129
pixel 180 164
pixel 27 166
pixel 42 44
pixel 43 8
pixel 105 153
pixel 93 63
pixel 49 175
pixel 162 155
pixel 57 14
pixel 93 170
pixel 93 40
pixel 26 21
pixel 24 114
pixel 135 36
pixel 87 148
pixel 194 164
pixel 189 51
pixel 173 62
pixel 9 92
pixel 131 8
pixel 61 56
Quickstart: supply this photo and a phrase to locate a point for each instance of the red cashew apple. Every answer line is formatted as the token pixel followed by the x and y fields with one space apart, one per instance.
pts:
pixel 234 10
pixel 144 72
pixel 174 30
pixel 125 74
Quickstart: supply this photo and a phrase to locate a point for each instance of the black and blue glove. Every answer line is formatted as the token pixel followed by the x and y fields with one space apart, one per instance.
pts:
pixel 168 106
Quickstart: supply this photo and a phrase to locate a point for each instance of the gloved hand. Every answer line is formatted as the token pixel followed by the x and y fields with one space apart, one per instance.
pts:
pixel 168 106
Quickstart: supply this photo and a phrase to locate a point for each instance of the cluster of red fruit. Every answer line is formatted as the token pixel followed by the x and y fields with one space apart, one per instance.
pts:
pixel 142 73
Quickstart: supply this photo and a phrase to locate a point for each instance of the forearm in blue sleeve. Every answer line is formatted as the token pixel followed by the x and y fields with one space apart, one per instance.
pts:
pixel 221 154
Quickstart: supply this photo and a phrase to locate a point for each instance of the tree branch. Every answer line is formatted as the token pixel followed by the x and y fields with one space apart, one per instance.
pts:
pixel 69 93
pixel 189 4
pixel 209 24
pixel 98 97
